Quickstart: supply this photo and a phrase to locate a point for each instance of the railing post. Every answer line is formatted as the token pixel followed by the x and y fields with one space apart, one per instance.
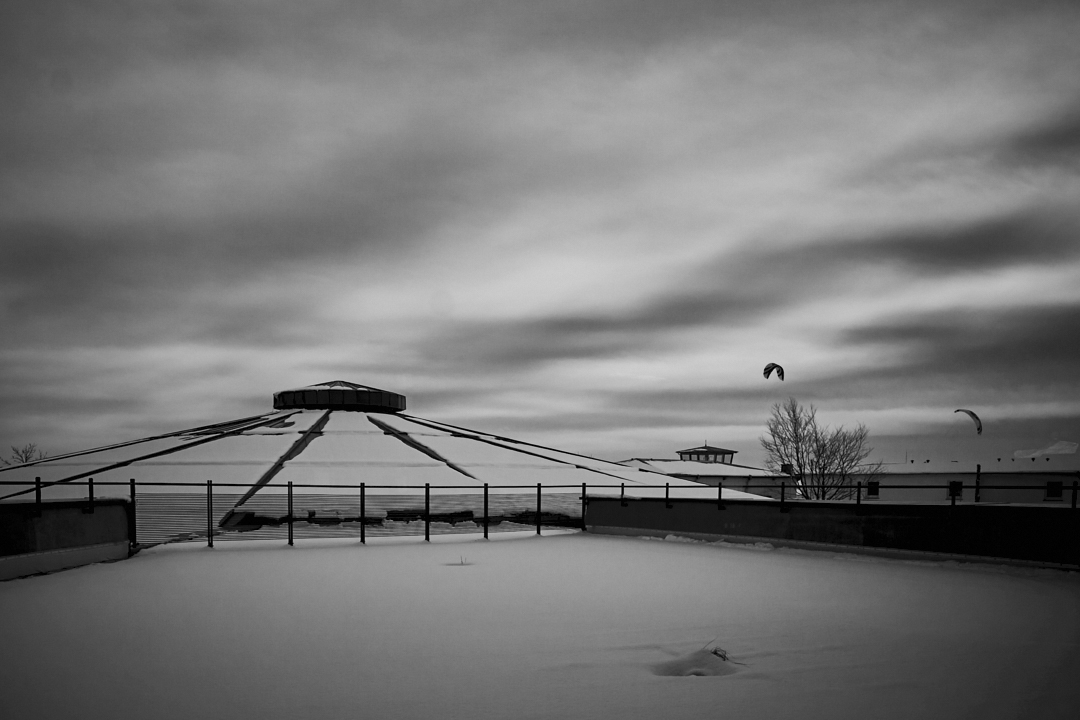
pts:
pixel 363 513
pixel 133 523
pixel 783 491
pixel 290 515
pixel 537 508
pixel 37 496
pixel 858 494
pixel 720 494
pixel 485 511
pixel 978 476
pixel 210 513
pixel 622 495
pixel 584 495
pixel 667 495
pixel 90 497
pixel 427 512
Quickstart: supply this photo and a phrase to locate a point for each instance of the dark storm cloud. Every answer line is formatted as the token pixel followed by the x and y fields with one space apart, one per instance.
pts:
pixel 67 287
pixel 114 82
pixel 109 83
pixel 754 285
pixel 102 96
pixel 776 277
pixel 25 404
pixel 104 92
pixel 1028 346
pixel 974 357
pixel 506 345
pixel 1053 141
pixel 1031 237
pixel 608 418
pixel 40 391
pixel 122 281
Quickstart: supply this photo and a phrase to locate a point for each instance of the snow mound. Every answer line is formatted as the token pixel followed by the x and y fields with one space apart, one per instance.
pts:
pixel 719 543
pixel 700 662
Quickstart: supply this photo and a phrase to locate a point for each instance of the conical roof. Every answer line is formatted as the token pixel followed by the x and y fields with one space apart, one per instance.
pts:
pixel 316 436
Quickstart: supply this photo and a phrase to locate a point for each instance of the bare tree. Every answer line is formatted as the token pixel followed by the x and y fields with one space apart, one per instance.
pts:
pixel 27 453
pixel 824 463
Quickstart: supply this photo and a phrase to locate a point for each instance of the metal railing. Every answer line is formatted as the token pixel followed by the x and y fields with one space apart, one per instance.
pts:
pixel 184 511
pixel 209 510
pixel 954 492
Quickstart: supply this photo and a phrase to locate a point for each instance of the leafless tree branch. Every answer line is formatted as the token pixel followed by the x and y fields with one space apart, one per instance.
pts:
pixel 825 463
pixel 27 453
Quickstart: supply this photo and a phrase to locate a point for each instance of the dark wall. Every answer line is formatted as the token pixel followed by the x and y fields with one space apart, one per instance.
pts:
pixel 1039 534
pixel 1028 487
pixel 57 525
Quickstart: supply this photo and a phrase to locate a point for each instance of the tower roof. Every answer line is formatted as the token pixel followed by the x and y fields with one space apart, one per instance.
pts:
pixel 708 449
pixel 339 395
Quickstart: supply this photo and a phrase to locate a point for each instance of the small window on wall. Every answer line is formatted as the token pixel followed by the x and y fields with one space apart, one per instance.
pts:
pixel 1054 491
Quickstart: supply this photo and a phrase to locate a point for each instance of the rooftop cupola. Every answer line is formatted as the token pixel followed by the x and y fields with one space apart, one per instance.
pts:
pixel 340 395
pixel 709 454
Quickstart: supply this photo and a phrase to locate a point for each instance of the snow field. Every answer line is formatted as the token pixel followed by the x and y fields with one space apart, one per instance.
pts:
pixel 565 625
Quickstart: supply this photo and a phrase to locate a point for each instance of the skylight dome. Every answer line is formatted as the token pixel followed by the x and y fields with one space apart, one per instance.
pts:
pixel 339 395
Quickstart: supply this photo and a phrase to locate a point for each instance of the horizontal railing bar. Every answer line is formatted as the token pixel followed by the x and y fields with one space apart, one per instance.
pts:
pixel 788 478
pixel 742 487
pixel 202 484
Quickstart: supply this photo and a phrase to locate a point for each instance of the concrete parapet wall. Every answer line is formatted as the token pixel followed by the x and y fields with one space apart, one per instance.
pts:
pixel 1033 534
pixel 60 534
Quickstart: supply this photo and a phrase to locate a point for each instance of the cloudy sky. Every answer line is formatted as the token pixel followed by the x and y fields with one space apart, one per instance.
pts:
pixel 582 223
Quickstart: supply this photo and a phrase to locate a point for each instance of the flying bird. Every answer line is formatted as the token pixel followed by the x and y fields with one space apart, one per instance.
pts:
pixel 978 422
pixel 773 366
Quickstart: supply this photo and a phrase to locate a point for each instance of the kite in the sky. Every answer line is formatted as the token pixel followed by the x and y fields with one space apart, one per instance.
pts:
pixel 978 422
pixel 773 366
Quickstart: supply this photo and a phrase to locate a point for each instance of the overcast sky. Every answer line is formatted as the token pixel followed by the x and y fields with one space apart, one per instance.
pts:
pixel 589 224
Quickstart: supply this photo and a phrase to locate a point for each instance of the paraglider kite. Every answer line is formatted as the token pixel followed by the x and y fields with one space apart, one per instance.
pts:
pixel 978 422
pixel 773 366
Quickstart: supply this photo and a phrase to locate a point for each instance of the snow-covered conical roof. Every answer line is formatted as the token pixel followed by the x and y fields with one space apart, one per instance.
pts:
pixel 306 440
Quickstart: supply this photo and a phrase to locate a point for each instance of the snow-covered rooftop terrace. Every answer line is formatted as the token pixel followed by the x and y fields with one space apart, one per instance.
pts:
pixel 565 625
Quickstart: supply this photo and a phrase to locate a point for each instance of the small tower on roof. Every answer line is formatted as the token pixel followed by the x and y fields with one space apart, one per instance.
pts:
pixel 708 454
pixel 340 395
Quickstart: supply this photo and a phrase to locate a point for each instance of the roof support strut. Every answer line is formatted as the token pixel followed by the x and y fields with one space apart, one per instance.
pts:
pixel 297 447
